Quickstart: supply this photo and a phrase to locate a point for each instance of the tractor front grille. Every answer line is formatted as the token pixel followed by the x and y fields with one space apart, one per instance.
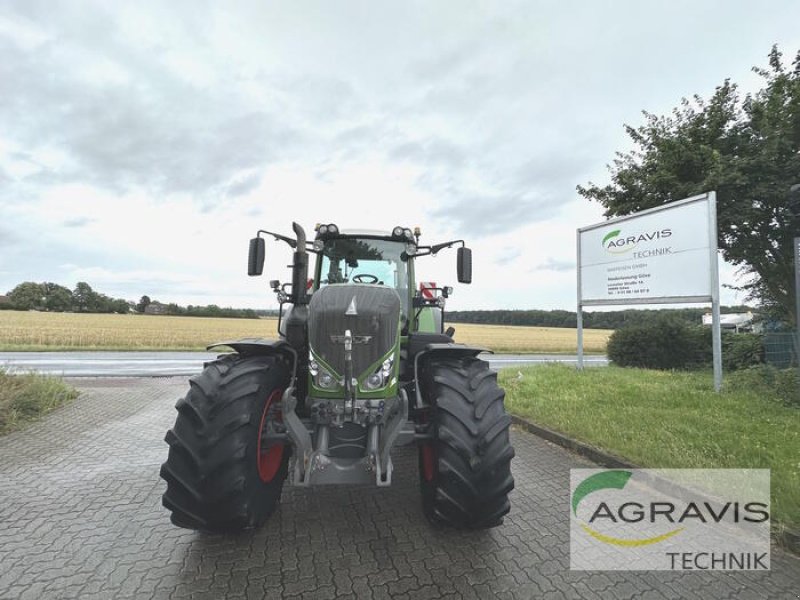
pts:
pixel 370 312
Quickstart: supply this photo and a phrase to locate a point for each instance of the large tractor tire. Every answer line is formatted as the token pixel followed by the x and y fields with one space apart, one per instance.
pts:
pixel 465 469
pixel 219 478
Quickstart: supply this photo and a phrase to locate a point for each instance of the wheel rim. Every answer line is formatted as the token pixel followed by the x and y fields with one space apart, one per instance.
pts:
pixel 428 461
pixel 268 459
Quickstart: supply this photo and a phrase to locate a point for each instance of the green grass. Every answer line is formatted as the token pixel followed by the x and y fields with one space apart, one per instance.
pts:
pixel 24 398
pixel 667 420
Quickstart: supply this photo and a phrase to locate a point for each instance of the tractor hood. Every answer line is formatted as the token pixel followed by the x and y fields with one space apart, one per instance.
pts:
pixel 370 312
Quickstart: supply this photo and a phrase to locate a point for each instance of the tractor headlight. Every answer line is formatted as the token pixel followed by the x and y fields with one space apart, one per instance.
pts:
pixel 324 380
pixel 374 381
pixel 408 235
pixel 397 232
pixel 380 377
pixel 321 377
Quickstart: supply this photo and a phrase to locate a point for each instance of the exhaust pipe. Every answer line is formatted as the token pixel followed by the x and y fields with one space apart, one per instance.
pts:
pixel 300 268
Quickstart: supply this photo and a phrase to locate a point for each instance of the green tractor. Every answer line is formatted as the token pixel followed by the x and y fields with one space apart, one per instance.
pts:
pixel 362 364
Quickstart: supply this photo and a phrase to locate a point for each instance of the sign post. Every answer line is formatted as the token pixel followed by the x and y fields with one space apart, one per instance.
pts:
pixel 794 209
pixel 797 300
pixel 716 327
pixel 580 309
pixel 664 255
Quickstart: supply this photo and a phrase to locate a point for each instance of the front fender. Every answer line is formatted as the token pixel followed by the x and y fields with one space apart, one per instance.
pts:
pixel 443 349
pixel 261 347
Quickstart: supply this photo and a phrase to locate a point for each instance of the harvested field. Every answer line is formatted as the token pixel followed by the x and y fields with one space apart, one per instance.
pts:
pixel 71 331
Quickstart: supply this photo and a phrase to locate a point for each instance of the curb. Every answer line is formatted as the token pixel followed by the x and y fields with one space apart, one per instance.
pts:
pixel 597 456
pixel 787 538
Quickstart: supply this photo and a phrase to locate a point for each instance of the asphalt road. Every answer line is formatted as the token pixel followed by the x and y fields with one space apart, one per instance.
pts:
pixel 81 517
pixel 161 364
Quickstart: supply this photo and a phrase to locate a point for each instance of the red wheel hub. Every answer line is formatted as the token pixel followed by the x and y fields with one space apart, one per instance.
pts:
pixel 428 461
pixel 269 459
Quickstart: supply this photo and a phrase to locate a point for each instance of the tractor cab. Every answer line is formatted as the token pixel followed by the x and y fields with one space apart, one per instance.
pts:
pixel 364 257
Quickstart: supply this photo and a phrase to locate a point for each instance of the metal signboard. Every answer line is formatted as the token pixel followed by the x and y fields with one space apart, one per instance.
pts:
pixel 663 255
pixel 655 256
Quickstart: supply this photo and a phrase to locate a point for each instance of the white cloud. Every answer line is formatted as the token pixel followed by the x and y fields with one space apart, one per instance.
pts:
pixel 142 144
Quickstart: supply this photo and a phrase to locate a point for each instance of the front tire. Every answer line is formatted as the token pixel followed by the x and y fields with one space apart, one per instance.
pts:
pixel 219 478
pixel 465 470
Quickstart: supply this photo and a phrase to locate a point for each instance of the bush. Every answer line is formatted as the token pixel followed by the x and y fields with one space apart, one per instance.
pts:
pixel 781 385
pixel 741 351
pixel 663 343
pixel 669 343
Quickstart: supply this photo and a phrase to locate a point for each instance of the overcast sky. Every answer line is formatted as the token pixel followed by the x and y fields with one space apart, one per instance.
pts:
pixel 142 144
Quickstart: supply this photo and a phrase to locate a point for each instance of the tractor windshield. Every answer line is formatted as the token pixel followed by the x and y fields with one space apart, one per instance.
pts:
pixel 364 260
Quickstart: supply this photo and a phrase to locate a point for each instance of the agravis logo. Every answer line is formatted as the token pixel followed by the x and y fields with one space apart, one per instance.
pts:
pixel 670 519
pixel 611 480
pixel 615 243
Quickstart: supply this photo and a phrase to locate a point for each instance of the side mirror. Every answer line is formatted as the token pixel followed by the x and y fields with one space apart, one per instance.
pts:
pixel 255 260
pixel 464 265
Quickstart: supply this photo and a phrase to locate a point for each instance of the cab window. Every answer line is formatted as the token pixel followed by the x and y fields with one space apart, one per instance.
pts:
pixel 359 260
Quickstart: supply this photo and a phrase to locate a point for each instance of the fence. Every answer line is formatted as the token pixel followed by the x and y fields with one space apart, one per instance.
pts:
pixel 780 349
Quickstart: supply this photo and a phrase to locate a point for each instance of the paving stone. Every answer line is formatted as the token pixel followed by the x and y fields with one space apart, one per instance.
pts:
pixel 81 517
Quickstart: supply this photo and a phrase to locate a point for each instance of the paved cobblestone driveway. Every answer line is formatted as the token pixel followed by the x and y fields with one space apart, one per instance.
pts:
pixel 81 517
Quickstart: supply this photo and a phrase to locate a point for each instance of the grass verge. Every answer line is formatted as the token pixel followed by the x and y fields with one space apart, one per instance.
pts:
pixel 26 397
pixel 667 420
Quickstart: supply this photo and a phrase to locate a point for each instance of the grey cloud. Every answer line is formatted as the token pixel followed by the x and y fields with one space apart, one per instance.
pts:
pixel 320 97
pixel 244 186
pixel 509 255
pixel 480 215
pixel 77 222
pixel 430 152
pixel 433 69
pixel 552 264
pixel 155 131
pixel 7 237
pixel 523 191
pixel 361 134
pixel 562 169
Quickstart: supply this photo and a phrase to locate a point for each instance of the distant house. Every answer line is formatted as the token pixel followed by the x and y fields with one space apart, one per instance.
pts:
pixel 155 308
pixel 736 322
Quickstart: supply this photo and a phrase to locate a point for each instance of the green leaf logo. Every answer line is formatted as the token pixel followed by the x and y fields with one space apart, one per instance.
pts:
pixel 599 481
pixel 610 235
pixel 616 480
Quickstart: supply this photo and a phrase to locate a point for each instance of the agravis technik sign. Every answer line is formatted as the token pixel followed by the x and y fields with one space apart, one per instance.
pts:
pixel 670 519
pixel 663 253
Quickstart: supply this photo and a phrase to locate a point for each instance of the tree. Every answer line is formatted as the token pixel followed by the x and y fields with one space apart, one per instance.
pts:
pixel 57 297
pixel 120 306
pixel 174 309
pixel 84 298
pixel 143 303
pixel 27 296
pixel 748 151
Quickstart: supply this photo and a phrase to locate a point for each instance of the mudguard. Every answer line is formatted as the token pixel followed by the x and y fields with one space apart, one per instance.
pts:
pixel 443 349
pixel 261 347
